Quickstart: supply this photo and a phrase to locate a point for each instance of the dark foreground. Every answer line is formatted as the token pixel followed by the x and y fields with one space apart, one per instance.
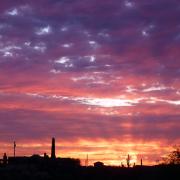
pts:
pixel 89 173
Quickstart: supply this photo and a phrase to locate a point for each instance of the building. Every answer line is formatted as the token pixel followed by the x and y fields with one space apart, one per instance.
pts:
pixel 37 160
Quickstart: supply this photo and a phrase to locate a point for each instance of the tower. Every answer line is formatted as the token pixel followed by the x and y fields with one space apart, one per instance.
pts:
pixel 53 154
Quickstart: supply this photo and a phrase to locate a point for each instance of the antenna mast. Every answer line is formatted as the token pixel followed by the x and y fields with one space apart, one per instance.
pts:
pixel 14 149
pixel 87 161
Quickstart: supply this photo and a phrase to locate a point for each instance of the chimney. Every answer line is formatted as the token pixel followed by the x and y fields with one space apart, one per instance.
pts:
pixel 53 154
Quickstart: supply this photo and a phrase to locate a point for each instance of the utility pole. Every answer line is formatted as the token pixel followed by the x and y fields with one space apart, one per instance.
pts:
pixel 14 149
pixel 141 162
pixel 87 161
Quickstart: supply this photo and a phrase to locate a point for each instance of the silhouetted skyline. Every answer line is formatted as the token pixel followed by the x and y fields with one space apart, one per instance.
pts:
pixel 8 159
pixel 45 167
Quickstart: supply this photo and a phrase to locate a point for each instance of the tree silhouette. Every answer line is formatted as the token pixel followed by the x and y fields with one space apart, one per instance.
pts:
pixel 173 158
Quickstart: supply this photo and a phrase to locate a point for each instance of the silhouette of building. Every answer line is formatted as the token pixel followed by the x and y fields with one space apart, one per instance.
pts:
pixel 46 156
pixel 98 164
pixel 53 153
pixel 5 159
pixel 36 160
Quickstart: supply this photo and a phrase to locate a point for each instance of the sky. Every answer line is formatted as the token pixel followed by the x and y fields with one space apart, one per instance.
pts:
pixel 101 76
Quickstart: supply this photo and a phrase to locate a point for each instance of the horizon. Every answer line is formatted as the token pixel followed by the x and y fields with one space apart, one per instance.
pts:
pixel 37 149
pixel 84 162
pixel 101 77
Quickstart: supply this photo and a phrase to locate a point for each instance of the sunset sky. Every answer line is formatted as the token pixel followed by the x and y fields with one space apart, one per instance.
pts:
pixel 102 76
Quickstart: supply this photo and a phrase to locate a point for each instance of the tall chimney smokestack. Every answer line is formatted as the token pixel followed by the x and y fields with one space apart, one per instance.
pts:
pixel 53 154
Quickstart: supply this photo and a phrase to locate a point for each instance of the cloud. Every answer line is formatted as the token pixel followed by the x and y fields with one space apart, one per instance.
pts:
pixel 107 102
pixel 44 30
pixel 13 12
pixel 41 47
pixel 129 4
pixel 9 50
